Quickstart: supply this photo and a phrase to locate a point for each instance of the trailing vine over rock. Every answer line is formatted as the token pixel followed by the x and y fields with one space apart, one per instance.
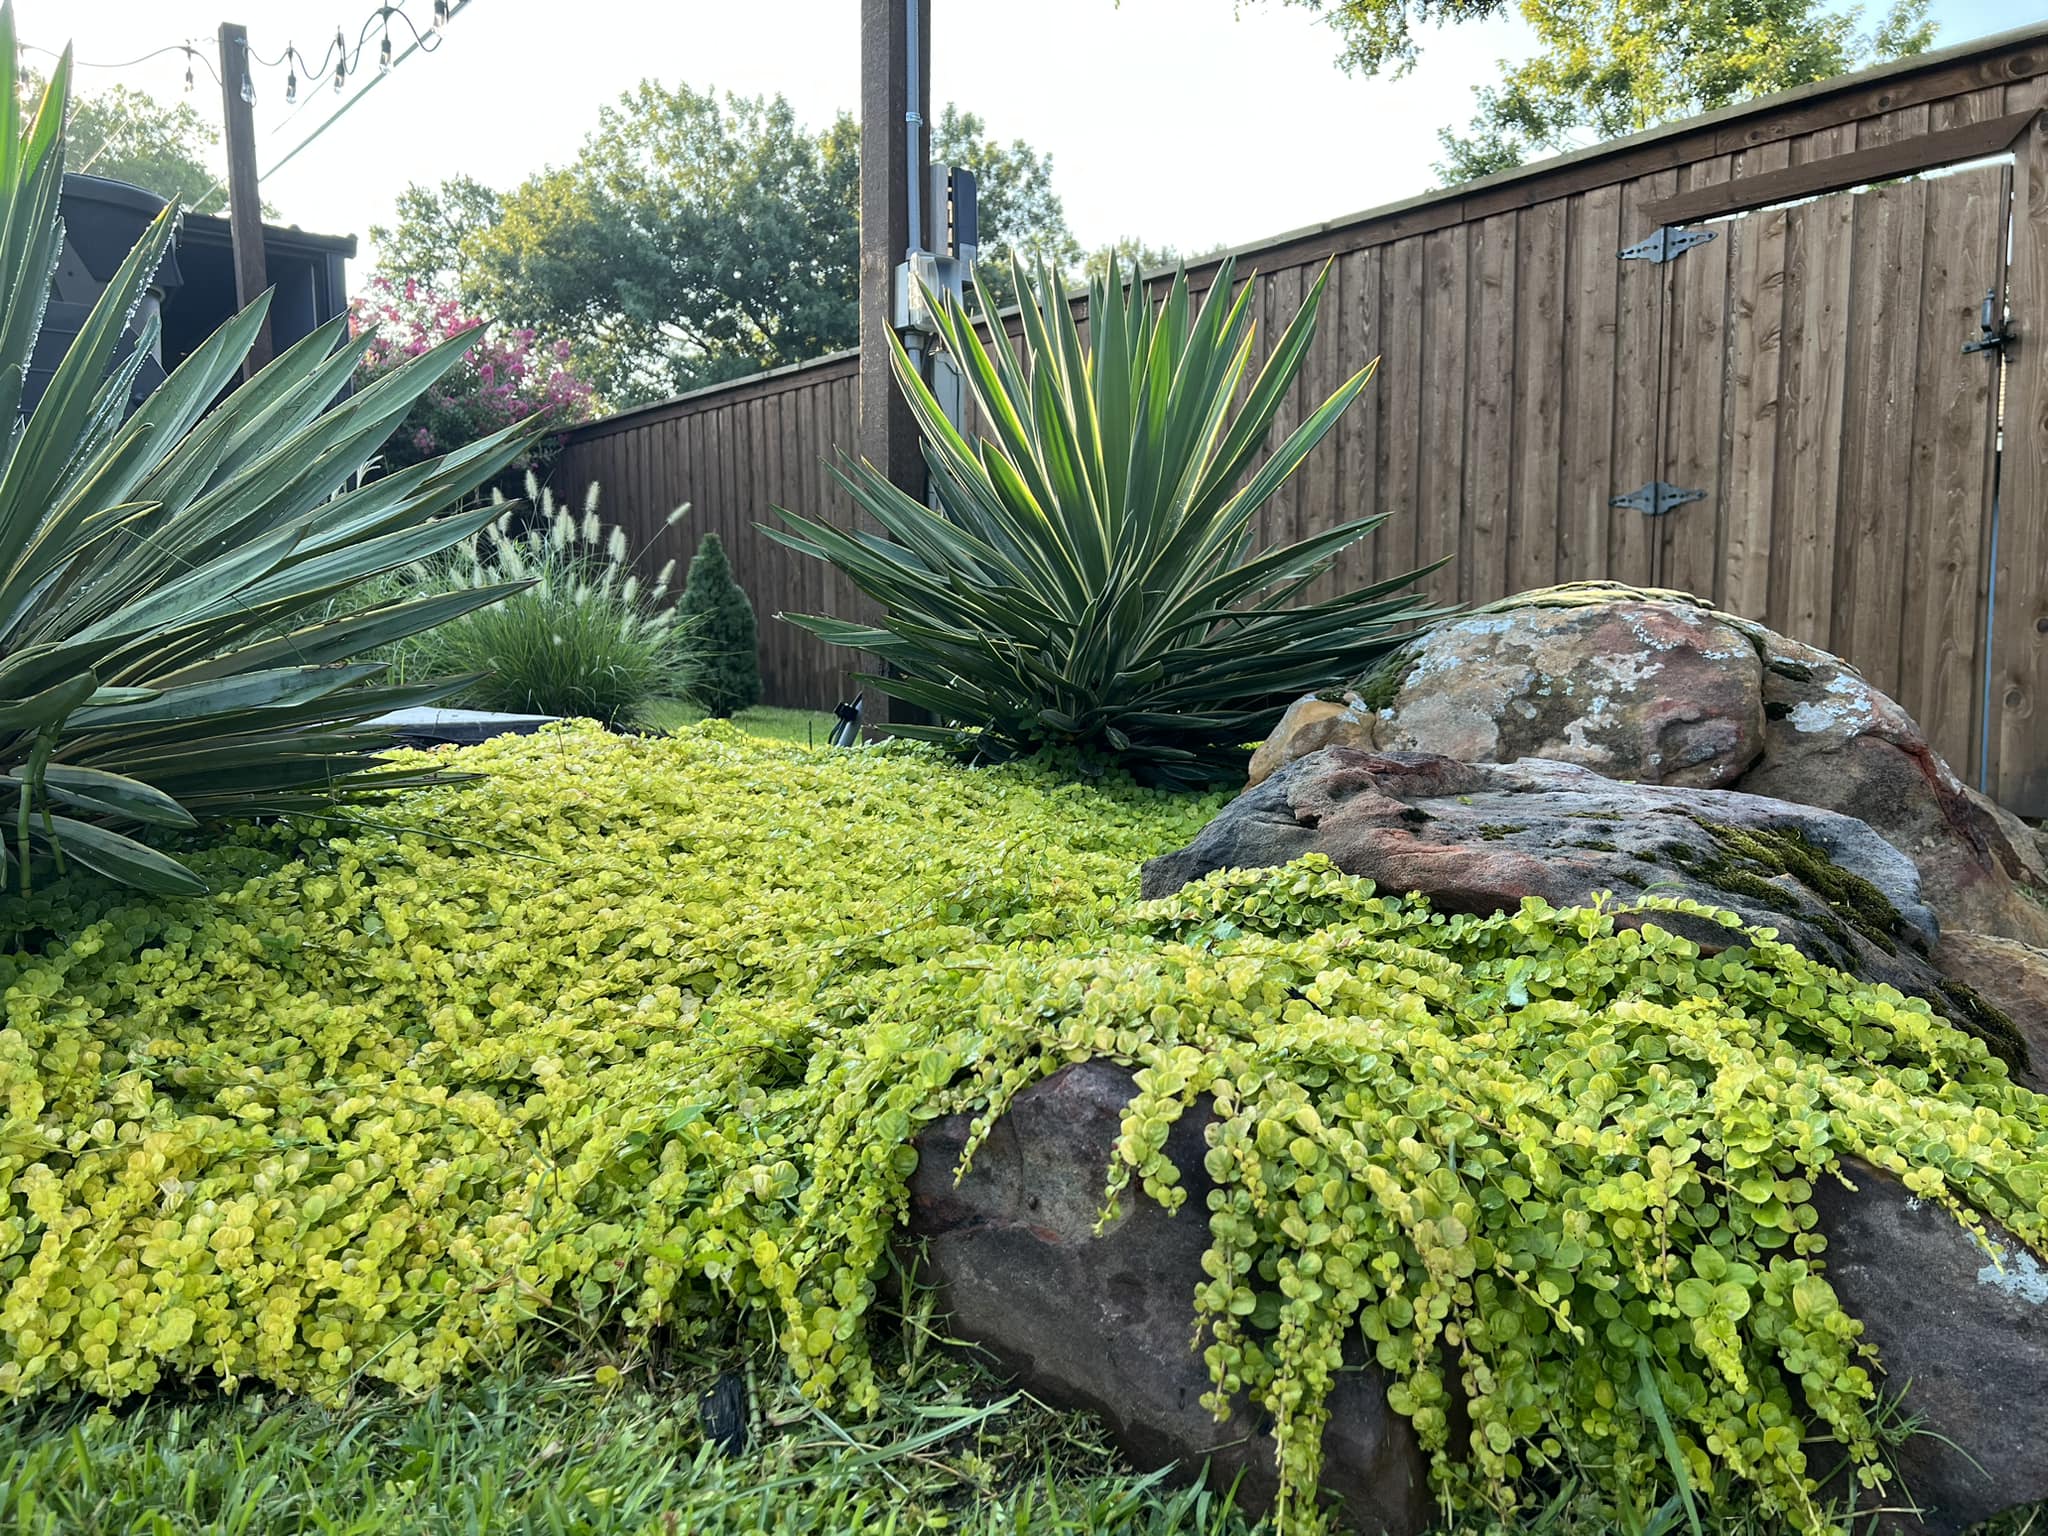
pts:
pixel 651 1047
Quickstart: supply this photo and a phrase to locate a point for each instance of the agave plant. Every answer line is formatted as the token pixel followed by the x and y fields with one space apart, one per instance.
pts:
pixel 1088 579
pixel 158 569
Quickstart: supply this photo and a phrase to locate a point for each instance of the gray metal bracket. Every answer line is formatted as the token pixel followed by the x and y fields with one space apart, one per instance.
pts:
pixel 1657 498
pixel 1670 241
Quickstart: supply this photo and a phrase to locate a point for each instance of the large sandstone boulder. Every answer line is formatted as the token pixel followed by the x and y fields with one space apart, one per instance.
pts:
pixel 1480 837
pixel 1663 693
pixel 1106 1322
pixel 1659 688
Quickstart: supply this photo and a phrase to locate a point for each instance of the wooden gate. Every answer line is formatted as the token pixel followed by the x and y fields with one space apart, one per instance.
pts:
pixel 1824 446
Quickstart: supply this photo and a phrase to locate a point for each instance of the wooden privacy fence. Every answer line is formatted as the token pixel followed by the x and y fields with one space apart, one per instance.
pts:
pixel 1728 356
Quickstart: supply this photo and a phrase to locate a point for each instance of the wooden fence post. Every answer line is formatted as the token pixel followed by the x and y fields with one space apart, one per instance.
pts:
pixel 245 202
pixel 888 432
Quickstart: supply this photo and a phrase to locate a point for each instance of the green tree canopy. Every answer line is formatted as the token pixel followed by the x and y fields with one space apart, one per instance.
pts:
pixel 424 241
pixel 128 135
pixel 697 237
pixel 1610 67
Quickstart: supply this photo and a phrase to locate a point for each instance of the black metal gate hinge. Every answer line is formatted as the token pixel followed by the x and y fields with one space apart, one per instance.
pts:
pixel 1657 498
pixel 1669 241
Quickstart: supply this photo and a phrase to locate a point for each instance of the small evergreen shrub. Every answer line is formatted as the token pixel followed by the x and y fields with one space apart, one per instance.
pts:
pixel 721 620
pixel 605 1033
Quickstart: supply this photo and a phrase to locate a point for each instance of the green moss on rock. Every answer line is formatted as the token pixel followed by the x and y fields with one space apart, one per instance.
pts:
pixel 1378 688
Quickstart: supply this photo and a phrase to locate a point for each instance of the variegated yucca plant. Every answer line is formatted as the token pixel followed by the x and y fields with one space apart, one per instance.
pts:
pixel 175 641
pixel 1090 578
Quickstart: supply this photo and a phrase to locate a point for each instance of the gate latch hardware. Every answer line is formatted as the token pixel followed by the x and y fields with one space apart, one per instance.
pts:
pixel 1992 334
pixel 1671 240
pixel 1657 498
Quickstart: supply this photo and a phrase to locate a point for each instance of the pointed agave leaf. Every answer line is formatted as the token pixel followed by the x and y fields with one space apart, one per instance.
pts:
pixel 123 859
pixel 174 633
pixel 277 687
pixel 112 794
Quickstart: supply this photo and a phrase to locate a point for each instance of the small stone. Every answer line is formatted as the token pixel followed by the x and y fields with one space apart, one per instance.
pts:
pixel 1310 724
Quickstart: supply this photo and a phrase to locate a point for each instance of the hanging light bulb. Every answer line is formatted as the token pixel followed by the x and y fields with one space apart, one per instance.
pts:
pixel 440 14
pixel 291 77
pixel 384 51
pixel 340 60
pixel 188 71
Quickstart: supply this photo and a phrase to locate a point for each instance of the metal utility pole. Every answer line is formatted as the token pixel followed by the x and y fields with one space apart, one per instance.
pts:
pixel 245 202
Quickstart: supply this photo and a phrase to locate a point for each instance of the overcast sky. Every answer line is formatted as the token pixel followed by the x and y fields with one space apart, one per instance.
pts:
pixel 1194 123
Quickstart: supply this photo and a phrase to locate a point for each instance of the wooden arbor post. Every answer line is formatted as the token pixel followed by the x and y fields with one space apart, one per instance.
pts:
pixel 245 203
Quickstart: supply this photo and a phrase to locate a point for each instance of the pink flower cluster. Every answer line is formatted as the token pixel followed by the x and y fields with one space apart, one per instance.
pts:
pixel 504 376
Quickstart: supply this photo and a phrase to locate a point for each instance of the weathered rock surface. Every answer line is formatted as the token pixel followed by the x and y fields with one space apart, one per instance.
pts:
pixel 1659 688
pixel 1311 724
pixel 1961 1333
pixel 1107 1323
pixel 2009 975
pixel 1480 837
pixel 1663 693
pixel 1835 741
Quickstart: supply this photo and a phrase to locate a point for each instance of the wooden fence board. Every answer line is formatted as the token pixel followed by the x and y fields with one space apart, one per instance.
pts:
pixel 1643 313
pixel 1539 366
pixel 1695 405
pixel 1488 447
pixel 1756 286
pixel 1441 382
pixel 1357 491
pixel 1884 336
pixel 1586 473
pixel 1398 546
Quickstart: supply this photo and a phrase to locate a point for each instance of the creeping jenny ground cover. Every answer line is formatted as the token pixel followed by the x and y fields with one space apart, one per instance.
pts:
pixel 642 1029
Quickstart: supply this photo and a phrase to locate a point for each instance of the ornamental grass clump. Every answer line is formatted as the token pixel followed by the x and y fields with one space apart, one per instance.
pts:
pixel 583 634
pixel 607 1033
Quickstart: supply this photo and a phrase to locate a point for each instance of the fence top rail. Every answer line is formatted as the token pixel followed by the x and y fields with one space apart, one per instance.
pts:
pixel 2000 59
pixel 788 376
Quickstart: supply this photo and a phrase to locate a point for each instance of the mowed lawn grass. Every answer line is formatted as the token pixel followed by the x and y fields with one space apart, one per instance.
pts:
pixel 583 1448
pixel 805 727
pixel 597 1446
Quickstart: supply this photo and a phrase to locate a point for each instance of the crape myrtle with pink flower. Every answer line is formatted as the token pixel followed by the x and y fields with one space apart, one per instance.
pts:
pixel 506 376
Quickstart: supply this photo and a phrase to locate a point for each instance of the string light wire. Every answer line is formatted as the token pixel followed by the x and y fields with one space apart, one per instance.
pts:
pixel 419 44
pixel 340 60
